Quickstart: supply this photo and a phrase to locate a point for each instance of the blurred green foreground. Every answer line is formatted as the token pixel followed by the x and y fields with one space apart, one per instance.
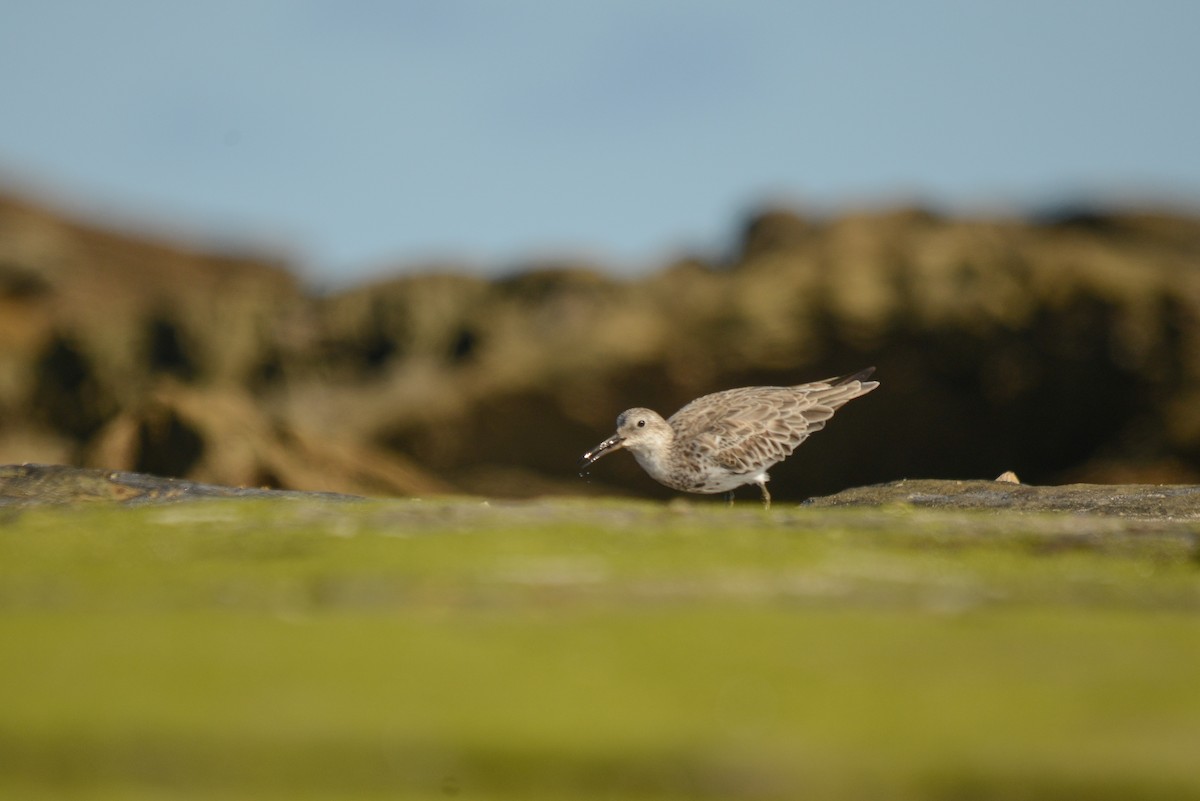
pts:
pixel 576 650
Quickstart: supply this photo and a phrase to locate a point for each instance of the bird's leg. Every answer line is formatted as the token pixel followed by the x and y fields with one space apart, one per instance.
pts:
pixel 729 498
pixel 766 495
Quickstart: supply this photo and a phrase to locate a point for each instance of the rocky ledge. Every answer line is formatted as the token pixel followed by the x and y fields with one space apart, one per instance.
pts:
pixel 1065 346
pixel 41 484
pixel 1174 501
pixel 35 484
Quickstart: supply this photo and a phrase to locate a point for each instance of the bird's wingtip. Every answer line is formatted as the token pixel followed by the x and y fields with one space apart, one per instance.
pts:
pixel 861 375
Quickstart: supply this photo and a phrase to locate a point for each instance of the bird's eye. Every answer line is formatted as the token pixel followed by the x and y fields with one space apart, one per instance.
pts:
pixel 641 423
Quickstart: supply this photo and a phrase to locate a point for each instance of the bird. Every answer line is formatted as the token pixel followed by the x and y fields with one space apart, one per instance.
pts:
pixel 728 439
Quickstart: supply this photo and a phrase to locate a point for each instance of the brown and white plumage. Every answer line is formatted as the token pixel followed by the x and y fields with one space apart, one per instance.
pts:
pixel 727 439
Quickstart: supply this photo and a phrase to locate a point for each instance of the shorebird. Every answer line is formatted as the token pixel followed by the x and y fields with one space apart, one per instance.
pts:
pixel 722 441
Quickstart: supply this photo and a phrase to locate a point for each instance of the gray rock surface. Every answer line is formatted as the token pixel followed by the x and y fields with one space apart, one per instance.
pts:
pixel 1135 500
pixel 38 484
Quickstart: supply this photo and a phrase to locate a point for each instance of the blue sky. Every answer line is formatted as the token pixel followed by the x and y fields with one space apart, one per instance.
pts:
pixel 366 135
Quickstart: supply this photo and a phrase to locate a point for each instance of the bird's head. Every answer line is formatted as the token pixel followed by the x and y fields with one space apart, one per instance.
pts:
pixel 638 430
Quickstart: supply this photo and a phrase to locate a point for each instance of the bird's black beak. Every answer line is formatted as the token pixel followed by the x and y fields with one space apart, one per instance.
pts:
pixel 603 449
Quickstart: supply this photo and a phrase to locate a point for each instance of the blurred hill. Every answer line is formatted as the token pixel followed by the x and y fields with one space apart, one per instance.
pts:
pixel 1065 348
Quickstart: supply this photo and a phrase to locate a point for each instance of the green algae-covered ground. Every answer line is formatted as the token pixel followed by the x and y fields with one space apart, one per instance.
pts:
pixel 583 650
